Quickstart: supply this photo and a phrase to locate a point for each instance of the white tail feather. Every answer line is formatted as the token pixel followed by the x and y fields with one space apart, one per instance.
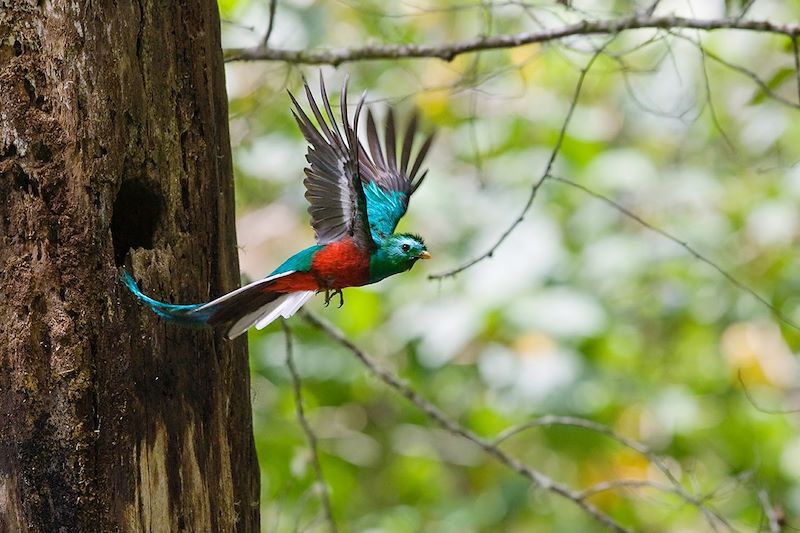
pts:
pixel 285 305
pixel 289 307
pixel 240 290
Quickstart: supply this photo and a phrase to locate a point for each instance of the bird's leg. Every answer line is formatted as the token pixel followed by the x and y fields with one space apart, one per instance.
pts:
pixel 330 293
pixel 341 297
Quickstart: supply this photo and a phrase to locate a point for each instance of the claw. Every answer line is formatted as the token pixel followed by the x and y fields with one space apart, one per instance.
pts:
pixel 330 293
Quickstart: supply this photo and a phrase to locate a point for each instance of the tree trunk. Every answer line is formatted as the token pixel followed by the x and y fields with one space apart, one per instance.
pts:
pixel 114 150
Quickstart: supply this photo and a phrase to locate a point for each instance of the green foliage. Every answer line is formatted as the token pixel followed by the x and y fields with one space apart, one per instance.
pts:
pixel 583 311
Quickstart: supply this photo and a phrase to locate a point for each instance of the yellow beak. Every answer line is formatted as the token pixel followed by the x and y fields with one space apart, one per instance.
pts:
pixel 425 255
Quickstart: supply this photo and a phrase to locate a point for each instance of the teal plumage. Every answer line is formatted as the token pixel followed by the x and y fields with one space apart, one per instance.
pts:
pixel 357 196
pixel 384 209
pixel 179 313
pixel 299 262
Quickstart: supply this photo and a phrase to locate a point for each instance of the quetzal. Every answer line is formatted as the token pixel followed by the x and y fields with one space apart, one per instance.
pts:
pixel 356 197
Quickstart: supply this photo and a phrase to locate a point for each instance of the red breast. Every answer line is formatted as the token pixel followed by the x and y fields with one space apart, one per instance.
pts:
pixel 341 264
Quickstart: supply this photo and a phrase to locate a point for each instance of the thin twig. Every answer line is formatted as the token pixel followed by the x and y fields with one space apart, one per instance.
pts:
pixel 537 185
pixel 745 8
pixel 582 423
pixel 757 407
pixel 310 435
pixel 626 70
pixel 615 484
pixel 450 425
pixel 273 5
pixel 491 447
pixel 448 51
pixel 712 109
pixel 652 8
pixel 554 420
pixel 796 66
pixel 765 88
pixel 733 280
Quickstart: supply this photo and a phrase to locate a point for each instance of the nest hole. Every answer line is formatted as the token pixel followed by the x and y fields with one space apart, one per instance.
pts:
pixel 137 210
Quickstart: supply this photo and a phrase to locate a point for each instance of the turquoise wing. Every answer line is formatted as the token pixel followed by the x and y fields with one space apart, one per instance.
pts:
pixel 385 208
pixel 390 181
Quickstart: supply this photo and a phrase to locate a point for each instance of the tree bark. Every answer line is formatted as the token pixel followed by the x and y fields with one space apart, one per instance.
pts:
pixel 114 150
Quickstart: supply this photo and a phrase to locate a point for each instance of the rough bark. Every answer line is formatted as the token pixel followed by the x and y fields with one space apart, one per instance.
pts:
pixel 114 149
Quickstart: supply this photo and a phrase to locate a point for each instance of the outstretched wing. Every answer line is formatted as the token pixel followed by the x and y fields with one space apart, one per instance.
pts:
pixel 389 182
pixel 333 182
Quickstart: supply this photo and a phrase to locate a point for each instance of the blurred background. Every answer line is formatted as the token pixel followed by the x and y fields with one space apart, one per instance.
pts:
pixel 583 311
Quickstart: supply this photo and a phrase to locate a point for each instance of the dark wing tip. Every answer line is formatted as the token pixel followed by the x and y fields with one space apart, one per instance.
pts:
pixel 408 142
pixel 390 140
pixel 420 158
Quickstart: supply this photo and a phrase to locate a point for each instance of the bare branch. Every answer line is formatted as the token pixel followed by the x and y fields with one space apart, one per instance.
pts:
pixel 745 8
pixel 434 413
pixel 686 246
pixel 652 8
pixel 615 484
pixel 310 435
pixel 273 5
pixel 712 109
pixel 796 52
pixel 675 487
pixel 626 70
pixel 448 51
pixel 535 189
pixel 553 420
pixel 757 407
pixel 742 70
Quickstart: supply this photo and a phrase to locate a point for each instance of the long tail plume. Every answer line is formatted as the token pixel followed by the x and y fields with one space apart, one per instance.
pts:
pixel 182 314
pixel 253 304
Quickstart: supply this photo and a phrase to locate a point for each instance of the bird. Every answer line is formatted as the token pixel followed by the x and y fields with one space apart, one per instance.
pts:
pixel 356 198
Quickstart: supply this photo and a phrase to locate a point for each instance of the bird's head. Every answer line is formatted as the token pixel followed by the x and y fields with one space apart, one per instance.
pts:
pixel 405 247
pixel 397 253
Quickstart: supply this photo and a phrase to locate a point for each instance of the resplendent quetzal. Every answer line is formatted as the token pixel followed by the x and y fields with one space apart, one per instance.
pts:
pixel 357 198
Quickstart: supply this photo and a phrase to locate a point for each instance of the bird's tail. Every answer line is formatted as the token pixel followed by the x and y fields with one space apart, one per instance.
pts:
pixel 253 304
pixel 183 314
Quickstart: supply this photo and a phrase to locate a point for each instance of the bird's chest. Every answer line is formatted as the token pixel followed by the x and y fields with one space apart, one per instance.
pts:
pixel 341 264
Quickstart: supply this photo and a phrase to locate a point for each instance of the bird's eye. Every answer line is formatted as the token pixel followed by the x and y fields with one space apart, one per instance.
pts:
pixel 406 247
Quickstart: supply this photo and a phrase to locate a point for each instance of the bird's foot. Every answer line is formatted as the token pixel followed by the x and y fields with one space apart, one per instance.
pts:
pixel 330 293
pixel 341 297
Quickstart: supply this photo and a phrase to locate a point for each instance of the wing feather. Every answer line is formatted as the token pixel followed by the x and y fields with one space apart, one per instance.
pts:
pixel 374 141
pixel 389 183
pixel 408 143
pixel 333 181
pixel 352 190
pixel 391 143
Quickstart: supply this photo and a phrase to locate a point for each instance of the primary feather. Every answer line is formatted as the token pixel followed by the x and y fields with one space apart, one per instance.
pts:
pixel 337 158
pixel 389 184
pixel 334 190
